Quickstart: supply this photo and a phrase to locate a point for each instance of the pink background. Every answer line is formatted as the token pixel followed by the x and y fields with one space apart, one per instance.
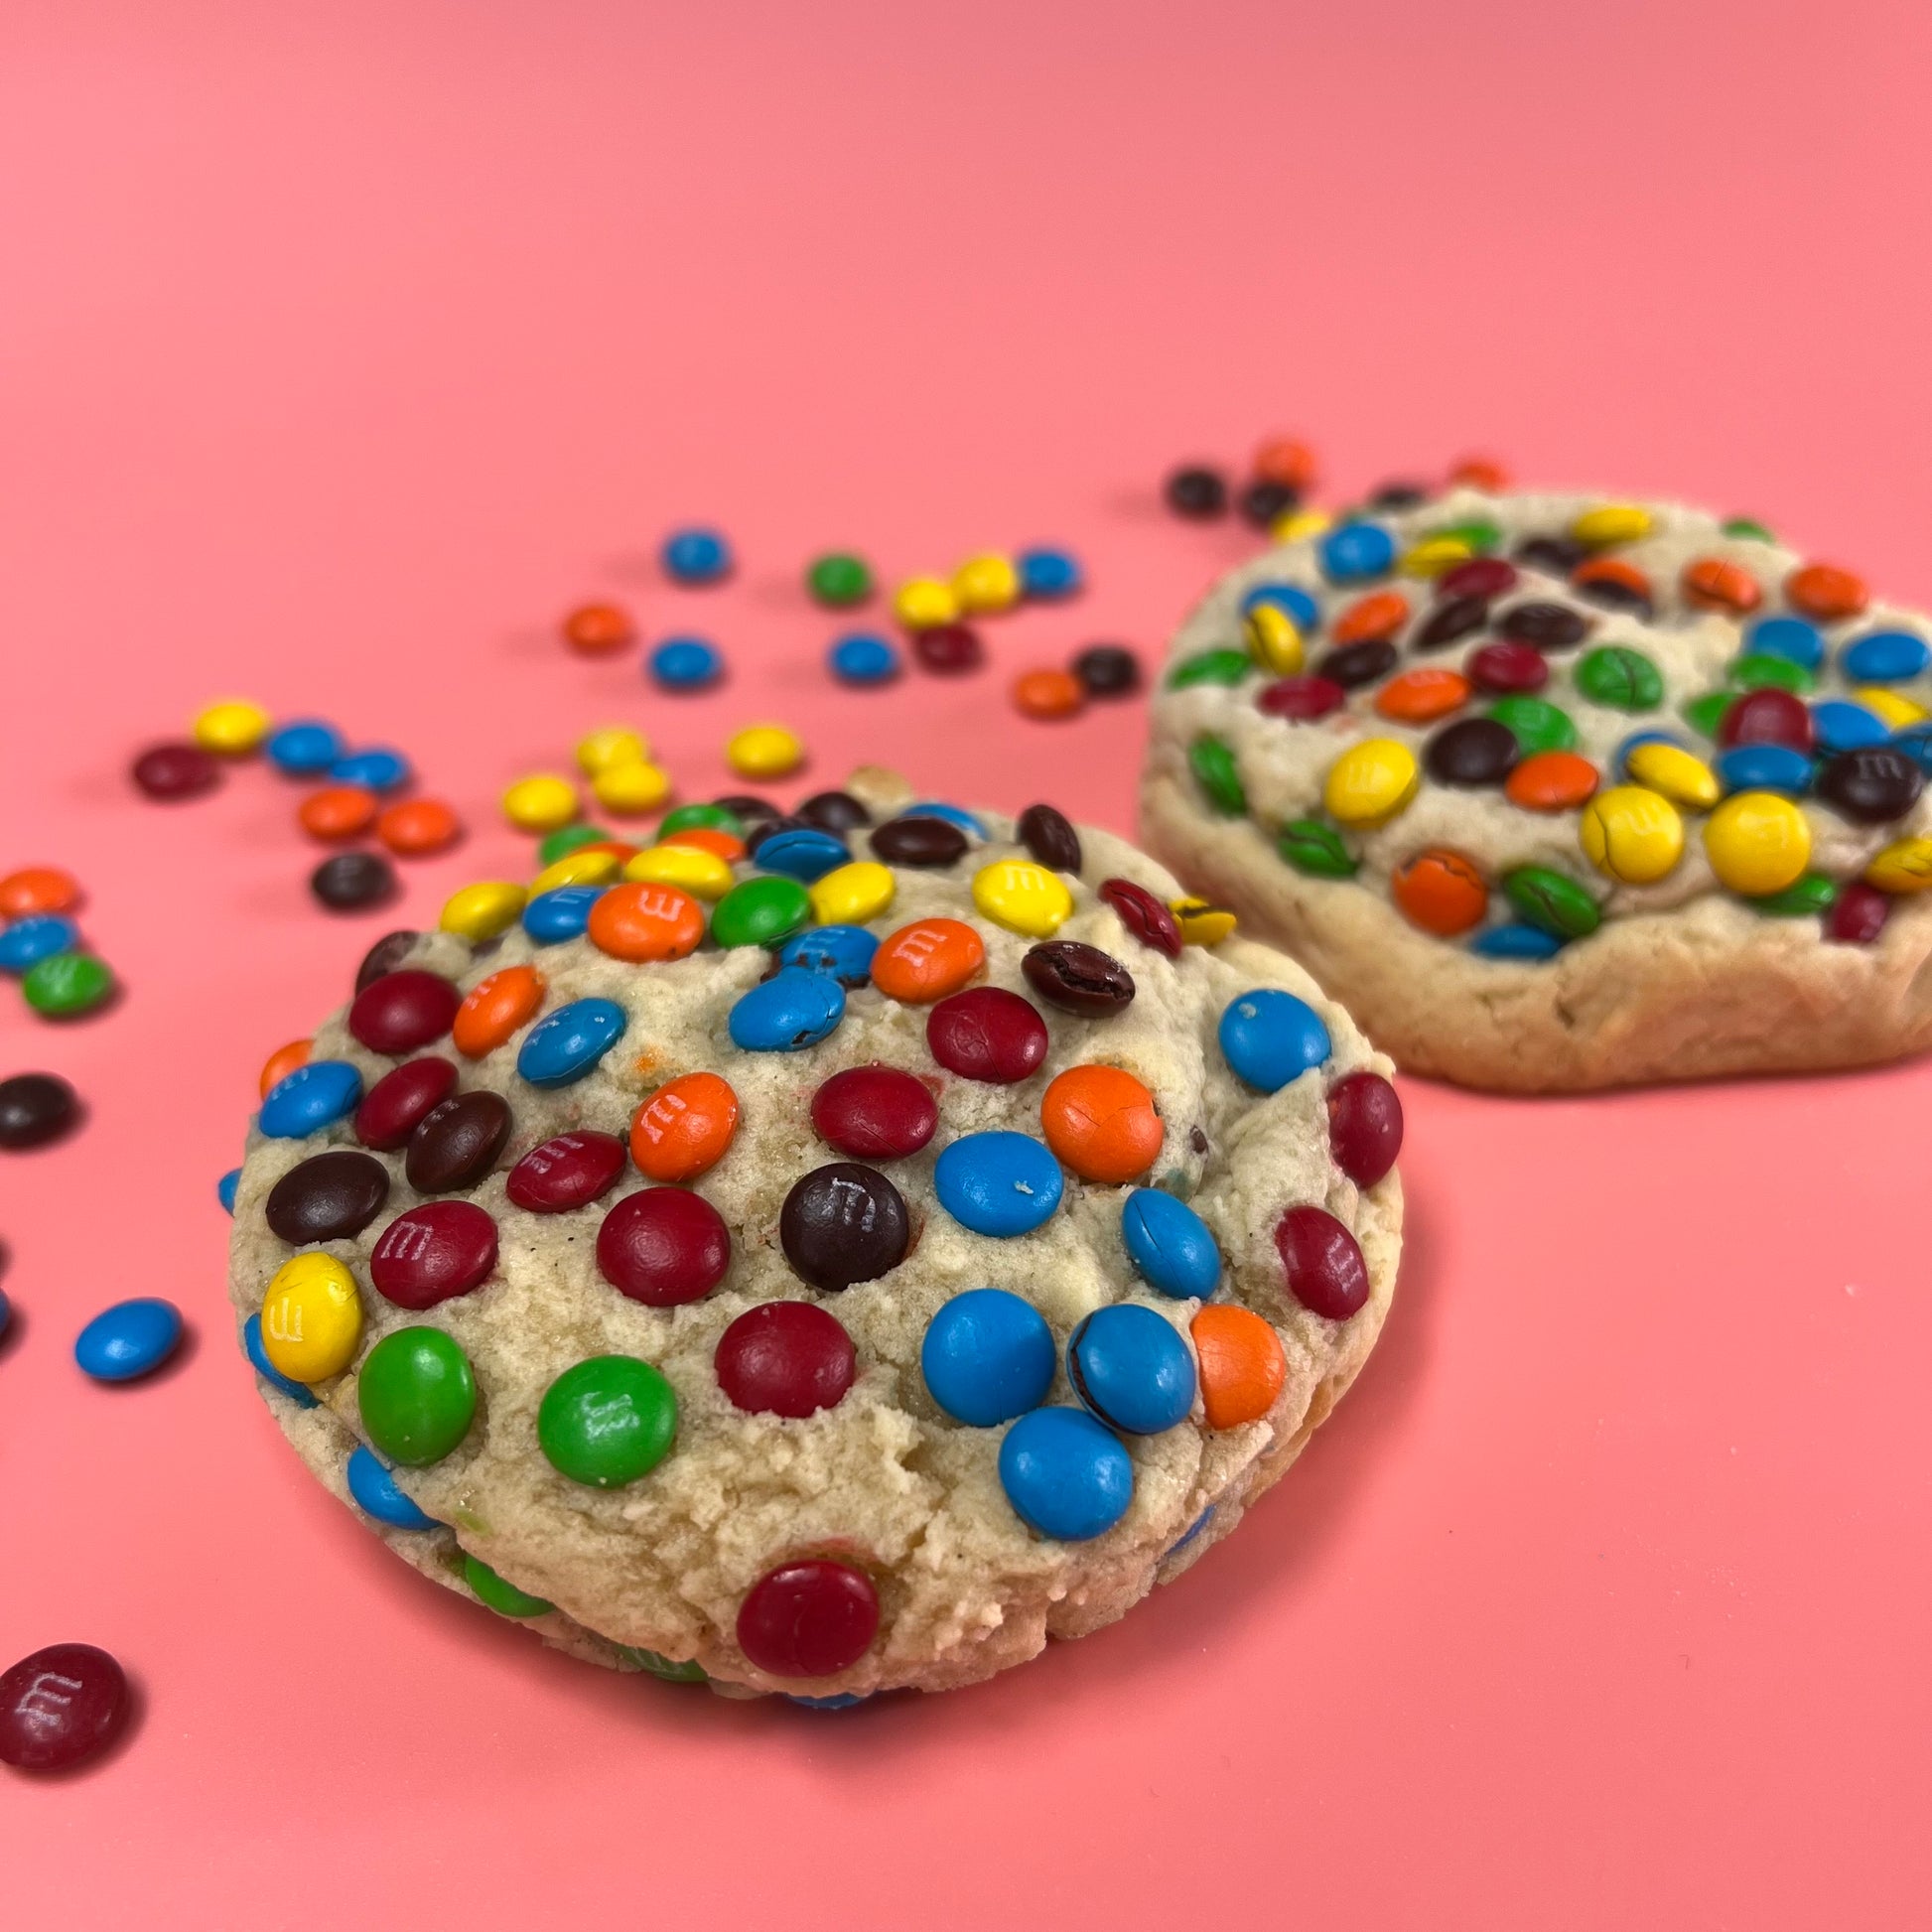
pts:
pixel 344 348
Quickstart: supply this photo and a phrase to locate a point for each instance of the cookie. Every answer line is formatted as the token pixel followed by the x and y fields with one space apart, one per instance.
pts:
pixel 848 1281
pixel 1557 793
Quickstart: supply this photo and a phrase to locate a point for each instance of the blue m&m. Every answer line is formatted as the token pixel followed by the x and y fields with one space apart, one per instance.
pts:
pixel 1270 1038
pixel 305 749
pixel 251 1344
pixel 1170 1244
pixel 696 556
pixel 311 1099
pixel 1352 552
pixel 1885 657
pixel 1841 726
pixel 801 852
pixel 378 768
pixel 1130 1368
pixel 794 1008
pixel 1764 768
pixel 1528 942
pixel 40 936
pixel 844 951
pixel 561 914
pixel 685 663
pixel 131 1338
pixel 1065 1474
pixel 377 1496
pixel 1048 573
pixel 564 1045
pixel 226 1187
pixel 1302 608
pixel 952 814
pixel 1791 638
pixel 988 1356
pixel 1000 1183
pixel 862 657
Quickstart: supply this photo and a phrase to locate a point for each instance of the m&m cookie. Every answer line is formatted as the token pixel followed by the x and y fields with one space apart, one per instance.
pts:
pixel 1559 793
pixel 914 1246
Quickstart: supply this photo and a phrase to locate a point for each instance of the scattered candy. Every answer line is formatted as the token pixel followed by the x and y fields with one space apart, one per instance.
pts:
pixel 378 768
pixel 948 649
pixel 696 556
pixel 167 773
pixel 305 749
pixel 685 664
pixel 763 752
pixel 352 881
pixel 863 657
pixel 129 1339
pixel 60 1705
pixel 926 604
pixel 541 804
pixel 418 828
pixel 36 1109
pixel 1049 694
pixel 839 579
pixel 596 629
pixel 1047 574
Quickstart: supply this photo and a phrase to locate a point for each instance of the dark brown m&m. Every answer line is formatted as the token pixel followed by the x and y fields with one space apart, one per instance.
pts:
pixel 1107 671
pixel 843 1224
pixel 433 1251
pixel 1471 751
pixel 1196 491
pixel 1355 665
pixel 1871 785
pixel 987 1034
pixel 874 1113
pixel 385 956
pixel 402 1100
pixel 330 1196
pixel 1549 627
pixel 458 1143
pixel 350 882
pixel 1079 978
pixel 36 1108
pixel 1451 622
pixel 834 811
pixel 918 840
pixel 1049 838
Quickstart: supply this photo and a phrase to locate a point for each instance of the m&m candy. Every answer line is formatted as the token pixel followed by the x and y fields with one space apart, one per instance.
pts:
pixel 988 1356
pixel 685 663
pixel 696 556
pixel 1065 1474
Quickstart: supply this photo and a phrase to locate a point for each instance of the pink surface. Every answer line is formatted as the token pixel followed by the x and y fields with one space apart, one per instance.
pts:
pixel 345 347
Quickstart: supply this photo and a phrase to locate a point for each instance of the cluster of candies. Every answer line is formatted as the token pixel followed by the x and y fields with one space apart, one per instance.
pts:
pixel 347 805
pixel 40 944
pixel 1865 756
pixel 988 1356
pixel 1281 477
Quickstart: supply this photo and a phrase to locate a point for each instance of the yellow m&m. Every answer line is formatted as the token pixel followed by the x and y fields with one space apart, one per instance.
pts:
pixel 577 869
pixel 1904 866
pixel 1681 776
pixel 687 867
pixel 988 583
pixel 1432 556
pixel 1274 639
pixel 1370 783
pixel 1895 712
pixel 852 895
pixel 1612 524
pixel 483 910
pixel 1200 923
pixel 924 603
pixel 631 787
pixel 1297 525
pixel 1757 842
pixel 763 752
pixel 312 1317
pixel 1024 897
pixel 541 804
pixel 1631 834
pixel 610 744
pixel 233 728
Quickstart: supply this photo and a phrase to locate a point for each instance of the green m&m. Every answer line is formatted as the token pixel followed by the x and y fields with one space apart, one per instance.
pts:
pixel 762 912
pixel 1549 901
pixel 1535 724
pixel 417 1396
pixel 607 1421
pixel 839 579
pixel 501 1596
pixel 668 1667
pixel 1624 679
pixel 1212 764
pixel 1761 670
pixel 1210 667
pixel 566 839
pixel 1813 893
pixel 1317 848
pixel 67 983
pixel 689 818
pixel 1706 714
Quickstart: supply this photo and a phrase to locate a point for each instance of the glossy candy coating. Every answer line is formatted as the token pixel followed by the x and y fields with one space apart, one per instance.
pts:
pixel 785 1358
pixel 1270 1038
pixel 1757 842
pixel 987 1034
pixel 170 772
pixel 645 922
pixel 1364 1127
pixel 1240 1362
pixel 311 1099
pixel 1129 1366
pixel 663 1247
pixel 999 1183
pixel 684 1129
pixel 36 1109
pixel 988 1356
pixel 804 853
pixel 403 1010
pixel 434 1251
pixel 1024 897
pixel 874 1113
pixel 67 983
pixel 567 1044
pixel 918 841
pixel 849 894
pixel 1049 838
pixel 304 748
pixel 1149 919
pixel 60 1705
pixel 1102 1123
pixel 457 1142
pixel 844 951
pixel 568 1171
pixel 1170 1244
pixel 1370 783
pixel 401 1100
pixel 129 1339
pixel 792 1010
pixel 762 912
pixel 312 1317
pixel 1321 1262
pixel 330 1197
pixel 377 767
pixel 1079 978
pixel 1631 834
pixel 843 1224
pixel 37 936
pixel 607 1421
pixel 416 1395
pixel 1065 1474
pixel 810 1618
pixel 929 959
pixel 376 1493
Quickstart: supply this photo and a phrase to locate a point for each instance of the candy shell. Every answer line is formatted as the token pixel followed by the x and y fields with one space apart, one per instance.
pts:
pixel 1065 1474
pixel 794 1008
pixel 1270 1038
pixel 998 1184
pixel 375 1492
pixel 129 1339
pixel 1170 1244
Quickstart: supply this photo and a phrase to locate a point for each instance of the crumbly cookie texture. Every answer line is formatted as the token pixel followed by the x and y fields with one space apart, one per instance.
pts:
pixel 651 1575
pixel 1711 913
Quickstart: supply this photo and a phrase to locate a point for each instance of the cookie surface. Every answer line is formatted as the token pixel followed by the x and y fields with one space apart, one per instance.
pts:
pixel 831 1327
pixel 1559 794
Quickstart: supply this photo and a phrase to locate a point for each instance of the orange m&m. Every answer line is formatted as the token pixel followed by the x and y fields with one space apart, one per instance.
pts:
pixel 1049 694
pixel 1284 460
pixel 1242 1364
pixel 926 960
pixel 1440 891
pixel 1611 573
pixel 596 628
pixel 1379 615
pixel 721 844
pixel 494 1008
pixel 1712 584
pixel 282 1062
pixel 1101 1123
pixel 1552 781
pixel 1420 696
pixel 645 921
pixel 1825 592
pixel 1481 472
pixel 37 889
pixel 418 827
pixel 684 1127
pixel 337 811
